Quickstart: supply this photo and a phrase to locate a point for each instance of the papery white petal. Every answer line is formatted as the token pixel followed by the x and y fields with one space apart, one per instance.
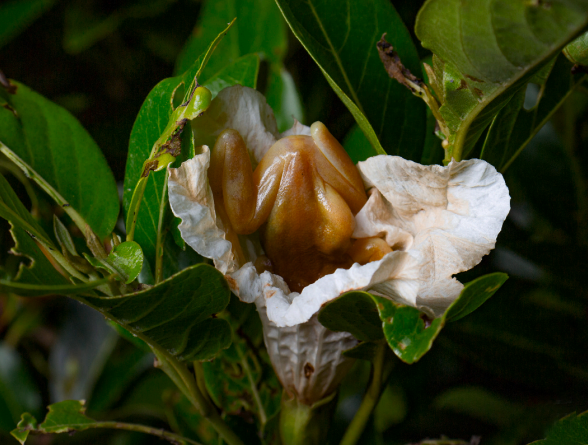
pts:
pixel 454 214
pixel 374 220
pixel 191 200
pixel 285 308
pixel 242 109
pixel 307 357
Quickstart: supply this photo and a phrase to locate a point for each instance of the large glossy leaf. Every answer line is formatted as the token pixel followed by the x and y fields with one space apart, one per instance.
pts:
pixel 486 51
pixel 341 37
pixel 514 126
pixel 259 28
pixel 409 333
pixel 54 144
pixel 149 125
pixel 571 430
pixel 176 315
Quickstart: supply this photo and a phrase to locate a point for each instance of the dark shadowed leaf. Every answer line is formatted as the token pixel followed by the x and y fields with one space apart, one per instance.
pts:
pixel 18 390
pixel 571 430
pixel 176 315
pixel 353 312
pixel 259 28
pixel 24 227
pixel 474 294
pixel 54 144
pixel 487 51
pixel 341 37
pixel 17 15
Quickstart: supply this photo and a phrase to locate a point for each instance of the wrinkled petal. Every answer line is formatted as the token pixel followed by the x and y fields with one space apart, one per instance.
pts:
pixel 285 308
pixel 307 357
pixel 190 198
pixel 453 213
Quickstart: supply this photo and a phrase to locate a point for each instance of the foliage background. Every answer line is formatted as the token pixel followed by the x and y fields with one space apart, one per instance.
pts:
pixel 505 373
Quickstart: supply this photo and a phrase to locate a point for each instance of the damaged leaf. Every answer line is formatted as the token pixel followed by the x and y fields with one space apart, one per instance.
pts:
pixel 484 53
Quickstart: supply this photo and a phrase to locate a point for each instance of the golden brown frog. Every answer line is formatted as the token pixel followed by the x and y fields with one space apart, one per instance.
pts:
pixel 305 193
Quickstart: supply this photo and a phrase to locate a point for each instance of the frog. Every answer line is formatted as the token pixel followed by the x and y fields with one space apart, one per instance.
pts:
pixel 302 196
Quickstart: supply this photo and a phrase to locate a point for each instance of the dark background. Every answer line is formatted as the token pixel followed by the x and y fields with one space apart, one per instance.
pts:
pixel 506 372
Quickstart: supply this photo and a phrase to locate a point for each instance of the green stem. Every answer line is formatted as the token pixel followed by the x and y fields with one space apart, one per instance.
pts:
pixel 370 400
pixel 167 435
pixel 134 207
pixel 160 235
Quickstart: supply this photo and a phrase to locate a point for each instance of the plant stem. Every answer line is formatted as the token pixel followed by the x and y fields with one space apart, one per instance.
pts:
pixel 167 435
pixel 160 235
pixel 370 400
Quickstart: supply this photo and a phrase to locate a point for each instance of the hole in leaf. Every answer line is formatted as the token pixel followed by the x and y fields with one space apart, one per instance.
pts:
pixel 531 96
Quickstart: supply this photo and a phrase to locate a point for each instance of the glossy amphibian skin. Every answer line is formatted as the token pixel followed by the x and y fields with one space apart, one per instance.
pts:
pixel 303 195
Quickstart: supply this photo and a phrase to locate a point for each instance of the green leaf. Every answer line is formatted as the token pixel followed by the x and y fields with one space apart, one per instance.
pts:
pixel 127 258
pixel 63 236
pixel 409 333
pixel 259 28
pixel 17 15
pixel 25 426
pixel 514 126
pixel 474 294
pixel 53 143
pixel 353 312
pixel 571 430
pixel 176 315
pixel 154 115
pixel 341 37
pixel 486 51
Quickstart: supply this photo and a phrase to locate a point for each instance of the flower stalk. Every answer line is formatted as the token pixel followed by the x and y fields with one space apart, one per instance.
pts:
pixel 381 368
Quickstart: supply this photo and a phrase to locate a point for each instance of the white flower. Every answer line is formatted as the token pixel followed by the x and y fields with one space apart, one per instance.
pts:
pixel 439 221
